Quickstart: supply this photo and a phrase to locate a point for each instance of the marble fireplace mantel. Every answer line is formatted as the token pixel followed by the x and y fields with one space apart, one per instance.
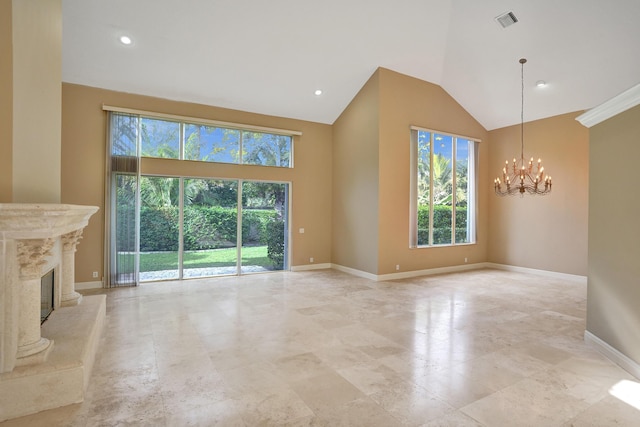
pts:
pixel 37 221
pixel 34 238
pixel 35 374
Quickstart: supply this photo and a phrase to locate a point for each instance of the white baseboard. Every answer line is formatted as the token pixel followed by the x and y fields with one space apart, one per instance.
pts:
pixel 82 286
pixel 407 274
pixel 354 272
pixel 456 269
pixel 309 267
pixel 431 271
pixel 612 354
pixel 555 274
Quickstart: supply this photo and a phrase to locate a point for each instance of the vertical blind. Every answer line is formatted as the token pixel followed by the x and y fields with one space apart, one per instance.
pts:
pixel 123 179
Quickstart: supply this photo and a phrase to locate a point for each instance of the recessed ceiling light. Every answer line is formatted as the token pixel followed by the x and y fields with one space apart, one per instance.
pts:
pixel 125 40
pixel 318 92
pixel 541 83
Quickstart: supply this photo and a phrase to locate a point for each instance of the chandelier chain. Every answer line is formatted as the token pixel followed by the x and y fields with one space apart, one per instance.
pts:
pixel 522 61
pixel 520 177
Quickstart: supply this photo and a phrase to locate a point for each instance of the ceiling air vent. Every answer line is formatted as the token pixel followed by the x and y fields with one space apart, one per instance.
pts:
pixel 506 19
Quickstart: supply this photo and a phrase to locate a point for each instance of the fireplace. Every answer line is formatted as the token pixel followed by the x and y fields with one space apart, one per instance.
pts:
pixel 47 294
pixel 44 365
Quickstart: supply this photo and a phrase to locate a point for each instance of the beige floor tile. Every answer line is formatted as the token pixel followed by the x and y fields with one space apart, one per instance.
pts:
pixel 607 412
pixel 300 366
pixel 453 387
pixel 224 413
pixel 141 409
pixel 252 378
pixel 341 356
pixel 327 390
pixel 323 348
pixel 496 370
pixel 371 377
pixel 272 407
pixel 453 419
pixel 360 412
pixel 527 403
pixel 546 353
pixel 410 403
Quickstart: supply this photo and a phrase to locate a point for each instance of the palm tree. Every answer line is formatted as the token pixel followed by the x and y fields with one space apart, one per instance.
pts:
pixel 442 184
pixel 163 192
pixel 159 192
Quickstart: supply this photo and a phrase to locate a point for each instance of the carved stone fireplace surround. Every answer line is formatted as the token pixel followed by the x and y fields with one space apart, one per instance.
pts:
pixel 43 368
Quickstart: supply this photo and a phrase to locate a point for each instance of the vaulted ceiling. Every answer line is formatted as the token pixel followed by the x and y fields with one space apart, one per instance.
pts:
pixel 270 56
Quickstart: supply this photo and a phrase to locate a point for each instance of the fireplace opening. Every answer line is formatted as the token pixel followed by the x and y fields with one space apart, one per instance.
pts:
pixel 46 299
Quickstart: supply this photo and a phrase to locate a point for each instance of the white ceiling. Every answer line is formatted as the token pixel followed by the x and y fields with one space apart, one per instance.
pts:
pixel 270 56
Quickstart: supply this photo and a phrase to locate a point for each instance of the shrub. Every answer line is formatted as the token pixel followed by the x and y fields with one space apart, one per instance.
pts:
pixel 205 227
pixel 159 229
pixel 274 238
pixel 441 224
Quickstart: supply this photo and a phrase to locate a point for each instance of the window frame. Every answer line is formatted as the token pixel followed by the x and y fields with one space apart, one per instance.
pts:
pixel 472 197
pixel 183 121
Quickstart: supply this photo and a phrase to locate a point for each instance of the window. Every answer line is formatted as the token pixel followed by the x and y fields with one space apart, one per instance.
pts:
pixel 266 149
pixel 174 227
pixel 159 138
pixel 183 140
pixel 443 187
pixel 211 144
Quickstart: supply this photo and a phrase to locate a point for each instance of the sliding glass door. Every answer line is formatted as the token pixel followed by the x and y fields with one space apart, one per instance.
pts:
pixel 192 227
pixel 264 226
pixel 210 227
pixel 159 228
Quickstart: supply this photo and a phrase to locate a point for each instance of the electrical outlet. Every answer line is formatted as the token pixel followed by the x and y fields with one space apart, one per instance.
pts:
pixel 465 259
pixel 95 274
pixel 301 230
pixel 311 260
pixel 397 267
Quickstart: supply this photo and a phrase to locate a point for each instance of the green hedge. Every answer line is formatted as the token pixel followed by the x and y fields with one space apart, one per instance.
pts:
pixel 159 229
pixel 274 238
pixel 204 227
pixel 441 224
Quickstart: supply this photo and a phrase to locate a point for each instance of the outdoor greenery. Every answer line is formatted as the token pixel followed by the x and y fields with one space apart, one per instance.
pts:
pixel 274 238
pixel 159 261
pixel 205 227
pixel 442 224
pixel 435 173
pixel 150 225
pixel 161 138
pixel 210 216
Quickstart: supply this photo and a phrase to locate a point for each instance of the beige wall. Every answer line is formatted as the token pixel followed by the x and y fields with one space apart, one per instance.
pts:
pixel 613 296
pixel 355 181
pixel 547 232
pixel 6 102
pixel 37 77
pixel 371 180
pixel 83 164
pixel 406 101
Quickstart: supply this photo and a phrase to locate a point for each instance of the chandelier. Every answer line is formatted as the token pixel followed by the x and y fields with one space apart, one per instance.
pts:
pixel 520 177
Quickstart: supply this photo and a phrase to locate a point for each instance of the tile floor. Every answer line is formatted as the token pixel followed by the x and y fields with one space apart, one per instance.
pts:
pixel 323 348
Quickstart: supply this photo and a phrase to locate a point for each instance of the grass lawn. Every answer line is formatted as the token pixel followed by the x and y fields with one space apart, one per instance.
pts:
pixel 251 255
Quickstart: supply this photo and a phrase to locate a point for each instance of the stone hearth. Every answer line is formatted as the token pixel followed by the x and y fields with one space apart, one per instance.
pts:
pixel 43 368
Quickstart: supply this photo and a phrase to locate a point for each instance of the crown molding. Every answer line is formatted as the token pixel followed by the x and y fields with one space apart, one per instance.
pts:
pixel 616 105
